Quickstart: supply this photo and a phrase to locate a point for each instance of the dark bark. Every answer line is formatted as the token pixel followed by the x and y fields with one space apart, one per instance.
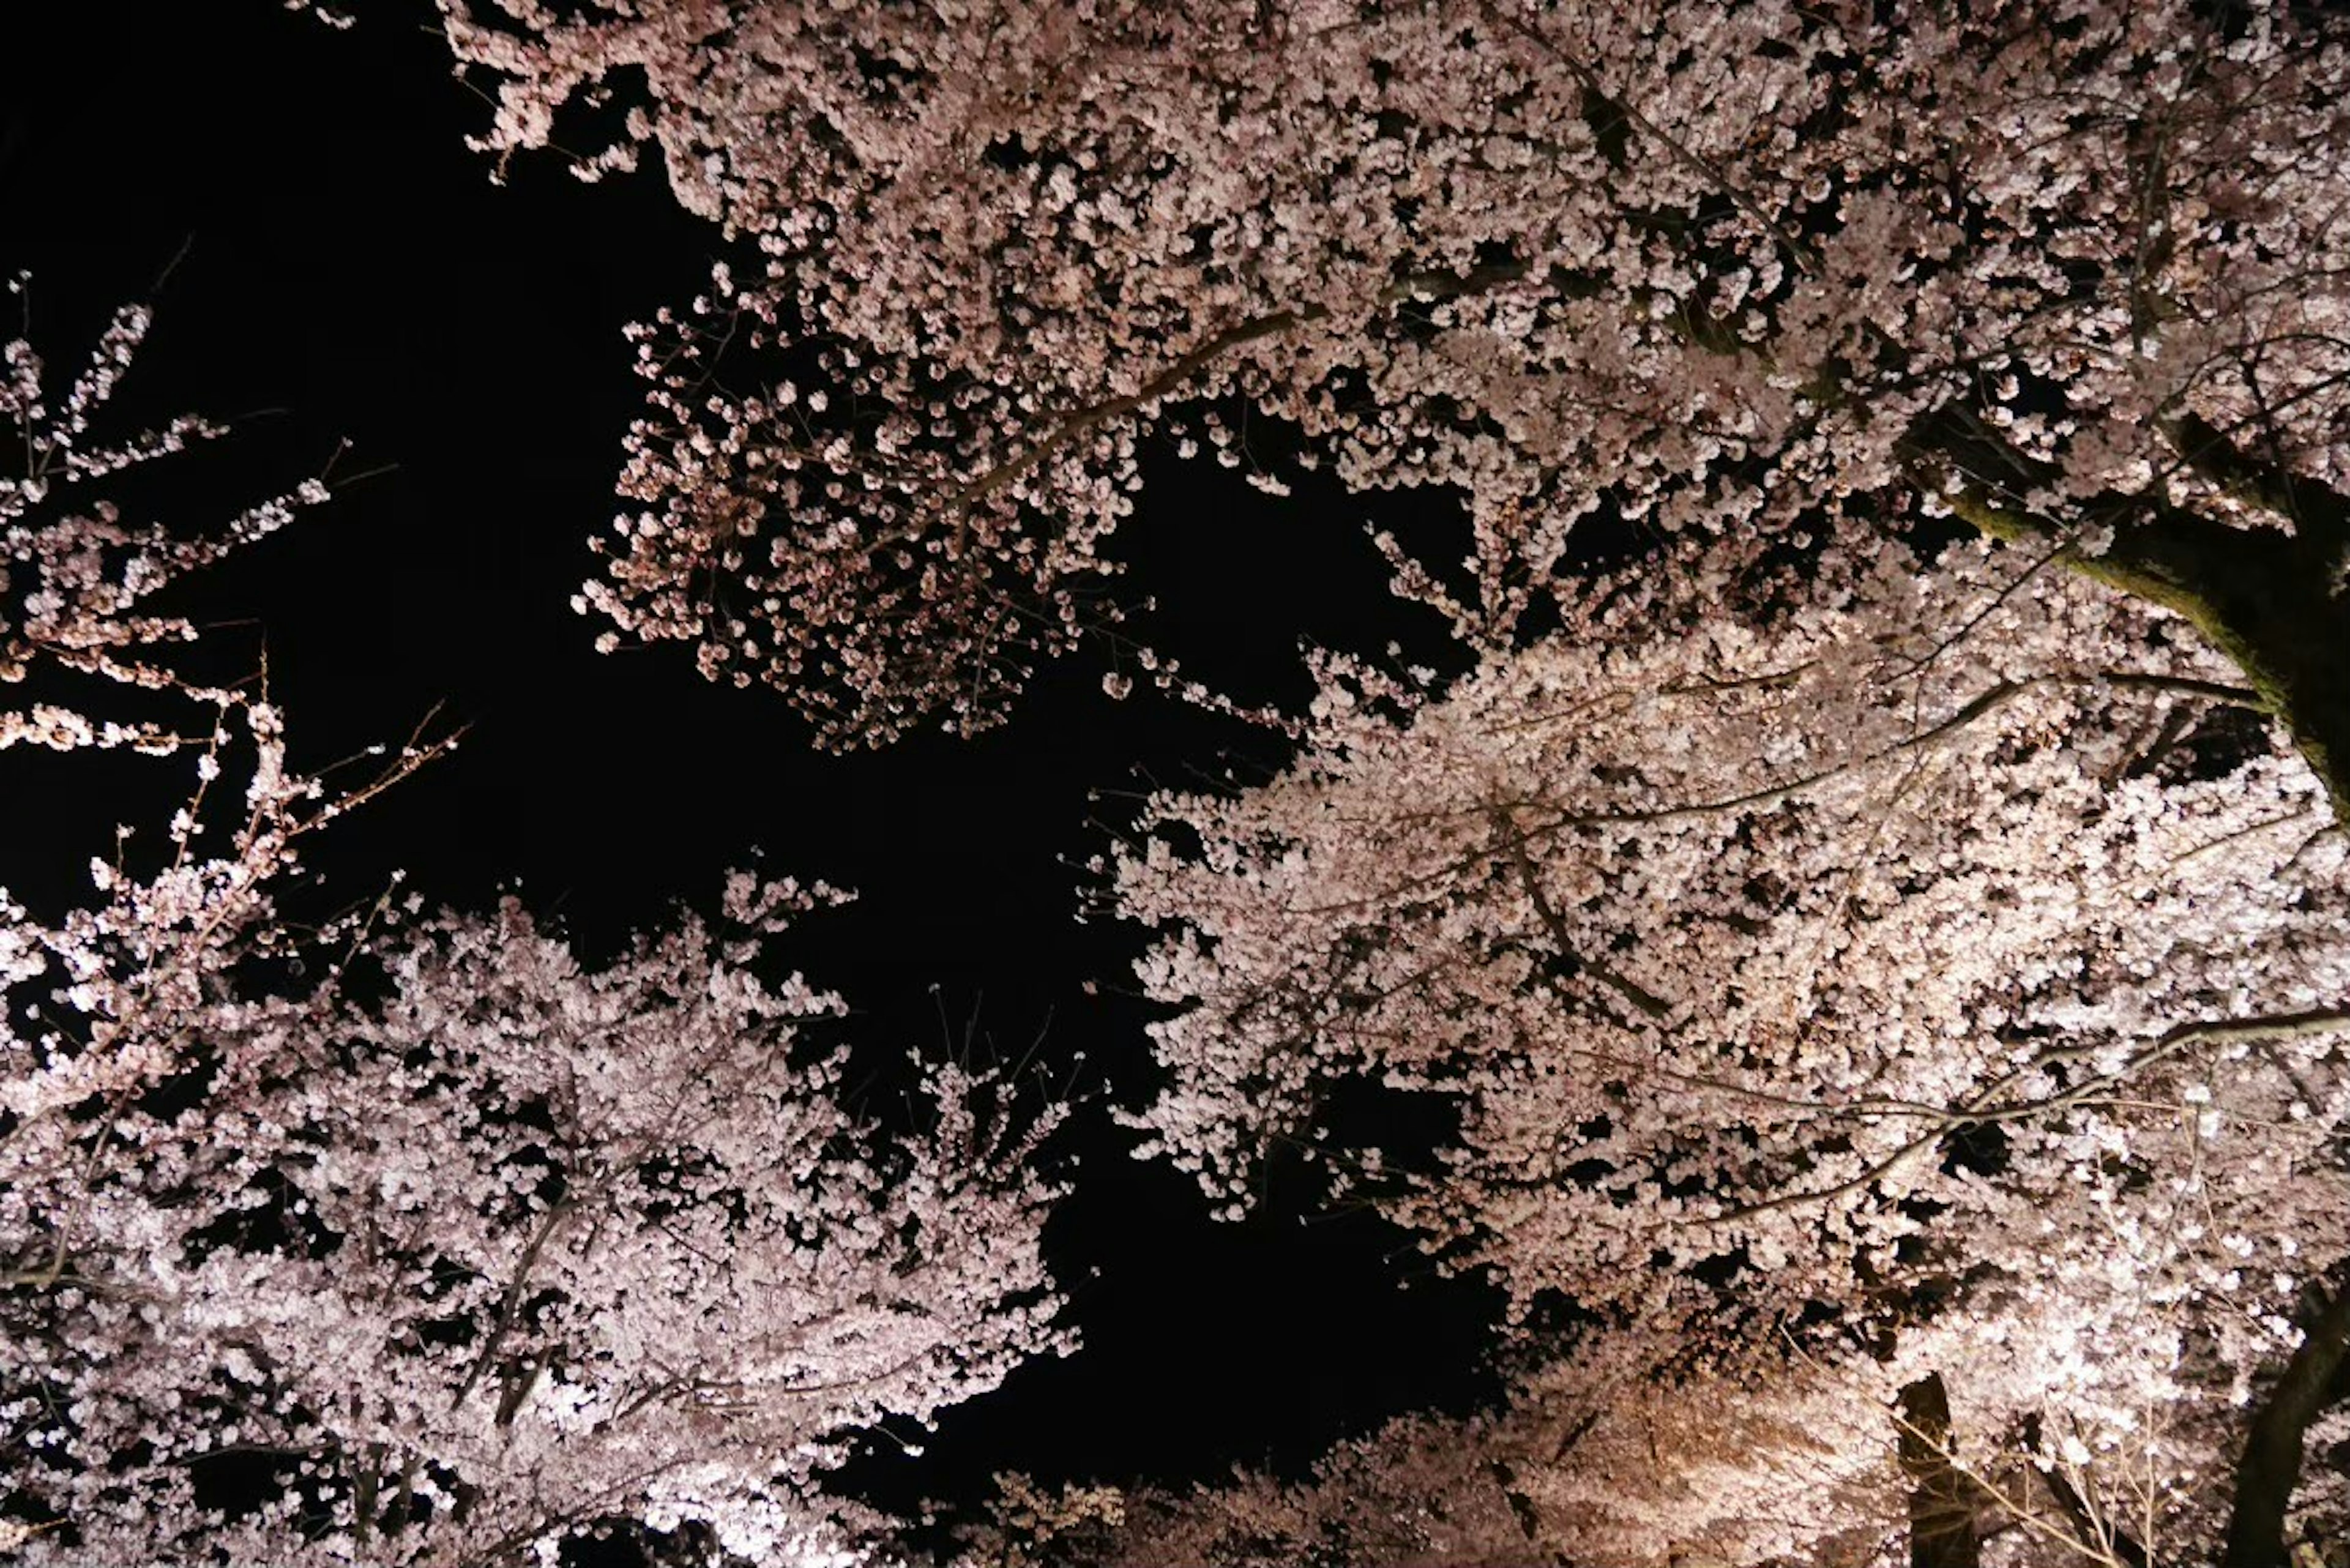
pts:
pixel 1941 1503
pixel 2270 1466
pixel 2262 596
pixel 2099 1534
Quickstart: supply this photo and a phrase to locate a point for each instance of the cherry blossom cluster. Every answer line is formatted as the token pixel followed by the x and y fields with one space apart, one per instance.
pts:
pixel 421 1239
pixel 1938 957
pixel 517 1247
pixel 1596 1459
pixel 1708 266
pixel 74 574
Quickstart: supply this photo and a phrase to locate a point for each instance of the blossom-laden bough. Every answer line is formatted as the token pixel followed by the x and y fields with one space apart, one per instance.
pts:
pixel 418 1239
pixel 1836 1004
pixel 2074 274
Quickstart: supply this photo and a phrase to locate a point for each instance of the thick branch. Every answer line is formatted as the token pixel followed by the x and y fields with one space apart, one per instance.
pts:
pixel 2264 597
pixel 1530 881
pixel 2270 1463
pixel 1941 1511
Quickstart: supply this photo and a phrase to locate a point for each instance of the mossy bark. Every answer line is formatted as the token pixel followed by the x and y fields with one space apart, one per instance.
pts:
pixel 2272 599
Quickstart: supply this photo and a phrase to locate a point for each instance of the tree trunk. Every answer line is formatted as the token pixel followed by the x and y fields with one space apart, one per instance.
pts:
pixel 2270 1464
pixel 1942 1514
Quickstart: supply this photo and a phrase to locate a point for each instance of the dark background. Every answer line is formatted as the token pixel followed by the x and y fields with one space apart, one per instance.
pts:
pixel 347 271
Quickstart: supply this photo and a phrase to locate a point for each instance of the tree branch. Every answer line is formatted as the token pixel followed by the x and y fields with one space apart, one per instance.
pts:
pixel 2263 599
pixel 2270 1464
pixel 1942 1510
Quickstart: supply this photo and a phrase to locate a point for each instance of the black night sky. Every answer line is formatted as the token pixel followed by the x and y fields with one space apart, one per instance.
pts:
pixel 348 269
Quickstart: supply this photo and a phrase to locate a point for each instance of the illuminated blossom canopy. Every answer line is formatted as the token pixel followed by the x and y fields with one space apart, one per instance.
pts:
pixel 472 1246
pixel 1885 950
pixel 1894 974
pixel 2074 272
pixel 1791 948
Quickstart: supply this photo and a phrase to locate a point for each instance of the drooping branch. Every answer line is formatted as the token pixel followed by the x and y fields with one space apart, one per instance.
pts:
pixel 1179 373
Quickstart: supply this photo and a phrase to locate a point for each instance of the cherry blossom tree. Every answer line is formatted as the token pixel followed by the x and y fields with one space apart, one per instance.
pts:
pixel 524 1248
pixel 1923 942
pixel 2074 274
pixel 1926 981
pixel 467 1247
pixel 77 633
